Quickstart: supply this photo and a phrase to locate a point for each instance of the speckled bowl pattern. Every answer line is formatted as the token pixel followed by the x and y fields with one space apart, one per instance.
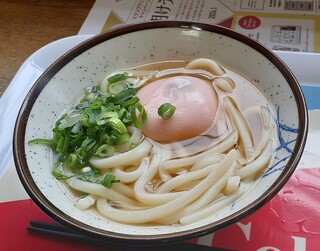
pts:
pixel 88 63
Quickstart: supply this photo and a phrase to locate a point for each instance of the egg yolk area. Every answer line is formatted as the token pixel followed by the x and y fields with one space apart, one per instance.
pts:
pixel 196 105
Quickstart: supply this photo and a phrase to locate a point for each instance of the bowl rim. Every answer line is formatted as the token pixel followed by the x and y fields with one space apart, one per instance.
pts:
pixel 117 238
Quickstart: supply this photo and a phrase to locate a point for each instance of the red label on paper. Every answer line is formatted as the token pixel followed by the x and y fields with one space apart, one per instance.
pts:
pixel 290 221
pixel 249 22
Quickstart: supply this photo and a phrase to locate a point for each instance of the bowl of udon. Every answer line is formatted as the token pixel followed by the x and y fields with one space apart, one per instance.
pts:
pixel 160 132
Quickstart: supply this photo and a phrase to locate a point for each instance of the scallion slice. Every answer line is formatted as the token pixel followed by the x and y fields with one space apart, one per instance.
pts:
pixel 118 77
pixel 140 121
pixel 118 125
pixel 47 142
pixel 166 111
pixel 105 151
pixel 117 87
pixel 72 161
pixel 59 173
pixel 109 179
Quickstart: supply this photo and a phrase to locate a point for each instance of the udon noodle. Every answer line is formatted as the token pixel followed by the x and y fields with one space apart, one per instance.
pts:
pixel 185 181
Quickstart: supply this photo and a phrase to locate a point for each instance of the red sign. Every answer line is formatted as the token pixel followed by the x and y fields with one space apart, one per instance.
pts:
pixel 249 22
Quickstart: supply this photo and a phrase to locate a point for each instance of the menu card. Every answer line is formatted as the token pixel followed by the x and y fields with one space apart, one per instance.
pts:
pixel 283 25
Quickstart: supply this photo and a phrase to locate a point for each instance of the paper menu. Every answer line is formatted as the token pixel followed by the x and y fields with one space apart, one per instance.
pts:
pixel 281 25
pixel 107 14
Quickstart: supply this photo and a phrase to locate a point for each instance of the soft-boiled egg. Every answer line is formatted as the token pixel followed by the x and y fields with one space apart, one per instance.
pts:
pixel 196 105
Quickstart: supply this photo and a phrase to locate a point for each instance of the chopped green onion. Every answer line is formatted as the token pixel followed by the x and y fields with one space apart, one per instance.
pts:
pixel 82 105
pixel 124 115
pixel 123 96
pixel 118 77
pixel 72 161
pixel 101 119
pixel 94 127
pixel 46 142
pixel 59 173
pixel 118 125
pixel 131 102
pixel 88 143
pixel 63 142
pixel 92 176
pixel 95 105
pixel 115 88
pixel 91 89
pixel 133 145
pixel 109 179
pixel 71 120
pixel 76 128
pixel 123 138
pixel 142 120
pixel 105 151
pixel 115 138
pixel 166 111
pixel 91 96
pixel 92 115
